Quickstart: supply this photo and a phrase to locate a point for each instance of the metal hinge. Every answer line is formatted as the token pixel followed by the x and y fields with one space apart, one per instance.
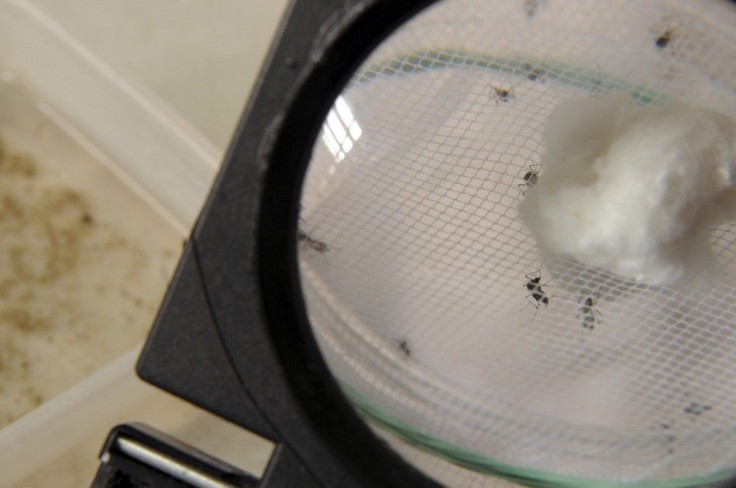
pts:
pixel 138 456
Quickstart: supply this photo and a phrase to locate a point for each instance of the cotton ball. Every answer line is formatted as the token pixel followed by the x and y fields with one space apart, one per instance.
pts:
pixel 633 190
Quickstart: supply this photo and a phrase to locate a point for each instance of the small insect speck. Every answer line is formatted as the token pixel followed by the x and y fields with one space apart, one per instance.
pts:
pixel 533 73
pixel 502 95
pixel 312 243
pixel 696 409
pixel 87 218
pixel 588 314
pixel 535 287
pixel 664 39
pixel 531 7
pixel 531 176
pixel 404 347
pixel 670 440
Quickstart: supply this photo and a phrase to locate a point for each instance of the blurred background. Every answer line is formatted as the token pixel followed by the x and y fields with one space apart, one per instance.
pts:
pixel 114 116
pixel 200 58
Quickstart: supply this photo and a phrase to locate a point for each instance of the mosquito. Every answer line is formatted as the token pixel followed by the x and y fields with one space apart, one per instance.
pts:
pixel 530 178
pixel 533 73
pixel 531 7
pixel 664 39
pixel 664 34
pixel 587 314
pixel 695 408
pixel 404 347
pixel 502 95
pixel 311 243
pixel 535 288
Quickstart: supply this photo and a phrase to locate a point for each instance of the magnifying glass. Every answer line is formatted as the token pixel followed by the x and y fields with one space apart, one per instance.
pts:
pixel 367 293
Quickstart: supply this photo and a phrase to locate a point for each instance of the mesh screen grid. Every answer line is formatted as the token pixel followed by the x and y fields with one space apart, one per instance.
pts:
pixel 418 274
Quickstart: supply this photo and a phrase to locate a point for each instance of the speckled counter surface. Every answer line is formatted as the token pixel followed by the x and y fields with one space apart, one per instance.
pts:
pixel 78 284
pixel 84 261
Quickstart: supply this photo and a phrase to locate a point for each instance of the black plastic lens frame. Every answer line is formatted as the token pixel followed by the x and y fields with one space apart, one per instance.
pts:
pixel 232 335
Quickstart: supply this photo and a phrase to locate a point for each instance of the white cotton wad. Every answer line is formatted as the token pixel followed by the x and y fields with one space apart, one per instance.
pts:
pixel 633 190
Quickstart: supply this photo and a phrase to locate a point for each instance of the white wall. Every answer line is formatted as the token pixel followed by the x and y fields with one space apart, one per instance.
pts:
pixel 201 57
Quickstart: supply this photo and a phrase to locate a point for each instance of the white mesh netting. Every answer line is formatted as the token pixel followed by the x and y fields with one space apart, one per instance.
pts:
pixel 415 264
